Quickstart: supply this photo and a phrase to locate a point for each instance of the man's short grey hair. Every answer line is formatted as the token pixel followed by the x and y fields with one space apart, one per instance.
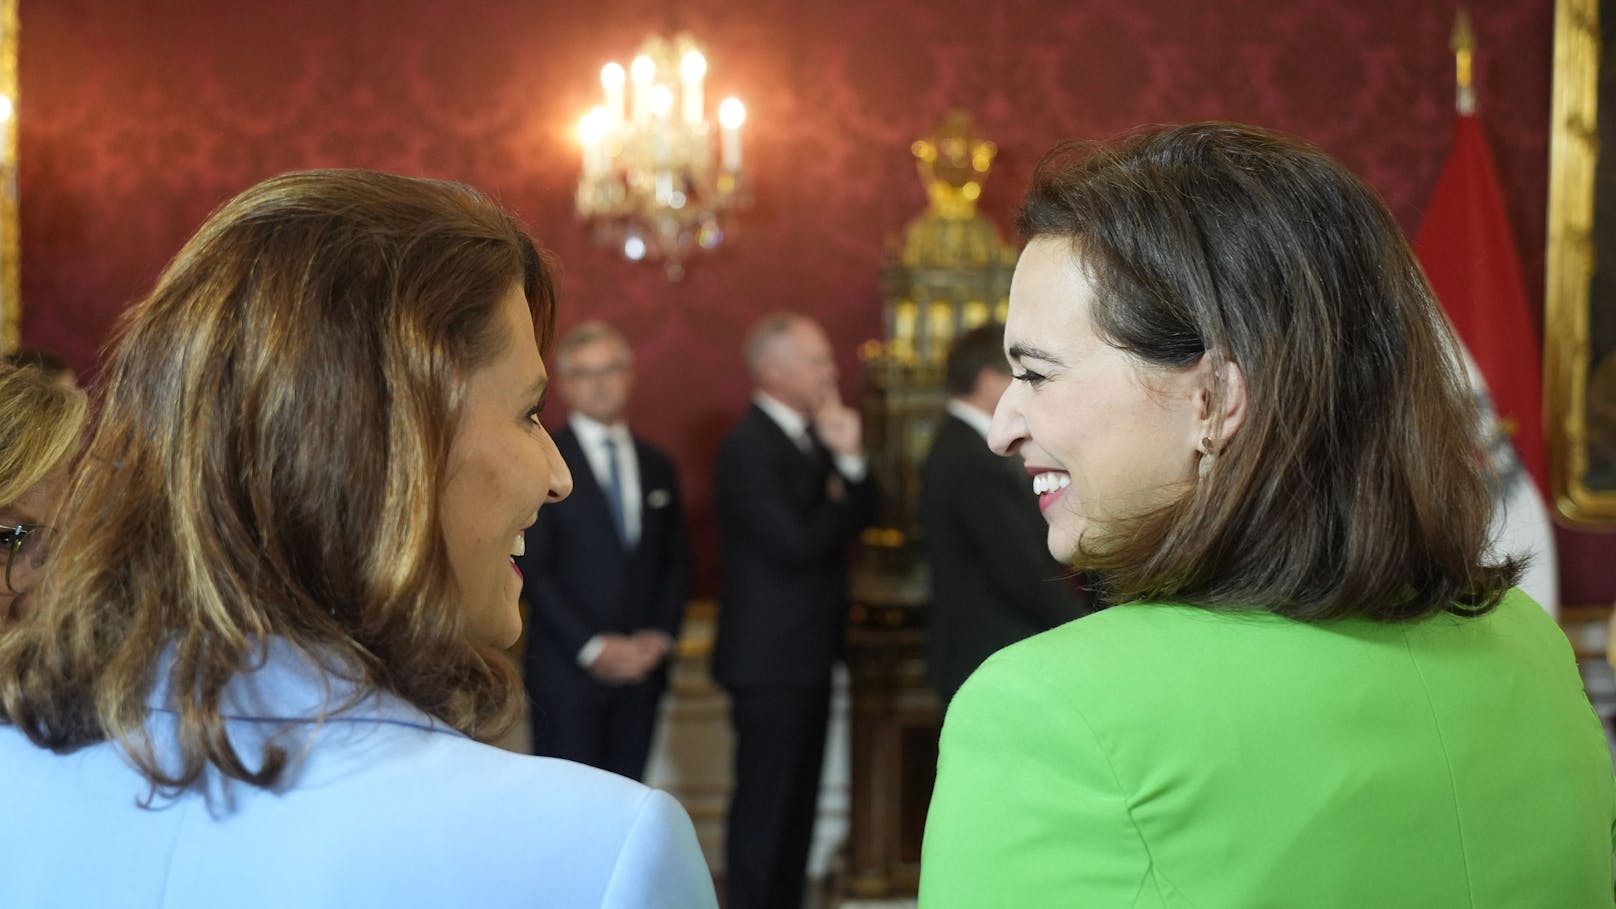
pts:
pixel 588 333
pixel 764 333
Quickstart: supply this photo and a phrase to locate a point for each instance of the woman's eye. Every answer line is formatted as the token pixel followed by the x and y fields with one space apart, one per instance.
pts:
pixel 1028 376
pixel 534 411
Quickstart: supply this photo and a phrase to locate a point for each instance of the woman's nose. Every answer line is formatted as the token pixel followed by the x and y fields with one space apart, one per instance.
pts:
pixel 1008 429
pixel 560 476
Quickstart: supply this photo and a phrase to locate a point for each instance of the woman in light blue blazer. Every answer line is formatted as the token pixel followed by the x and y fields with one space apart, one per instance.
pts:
pixel 262 662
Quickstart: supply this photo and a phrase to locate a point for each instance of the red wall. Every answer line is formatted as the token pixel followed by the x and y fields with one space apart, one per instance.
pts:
pixel 137 118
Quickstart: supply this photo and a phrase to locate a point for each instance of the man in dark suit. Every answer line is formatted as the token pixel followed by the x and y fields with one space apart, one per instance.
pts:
pixel 791 490
pixel 606 571
pixel 993 580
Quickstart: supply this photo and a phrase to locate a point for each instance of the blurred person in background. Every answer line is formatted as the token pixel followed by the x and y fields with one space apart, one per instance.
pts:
pixel 41 422
pixel 791 490
pixel 607 571
pixel 992 579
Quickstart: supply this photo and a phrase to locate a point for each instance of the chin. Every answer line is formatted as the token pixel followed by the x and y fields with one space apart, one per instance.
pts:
pixel 509 631
pixel 1065 544
pixel 499 627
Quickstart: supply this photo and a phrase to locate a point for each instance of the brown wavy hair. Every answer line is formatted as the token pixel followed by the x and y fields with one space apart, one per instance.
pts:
pixel 274 427
pixel 40 425
pixel 1353 488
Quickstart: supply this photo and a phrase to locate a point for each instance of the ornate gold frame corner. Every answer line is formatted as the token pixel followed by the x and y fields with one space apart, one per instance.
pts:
pixel 1573 156
pixel 10 228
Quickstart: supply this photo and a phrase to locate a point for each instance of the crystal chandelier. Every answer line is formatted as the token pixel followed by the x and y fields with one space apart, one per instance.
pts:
pixel 655 183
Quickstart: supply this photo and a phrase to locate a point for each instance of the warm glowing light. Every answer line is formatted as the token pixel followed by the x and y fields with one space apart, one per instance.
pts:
pixel 592 128
pixel 693 66
pixel 654 182
pixel 642 70
pixel 592 131
pixel 661 100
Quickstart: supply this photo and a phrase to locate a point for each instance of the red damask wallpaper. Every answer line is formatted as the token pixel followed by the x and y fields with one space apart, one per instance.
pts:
pixel 137 118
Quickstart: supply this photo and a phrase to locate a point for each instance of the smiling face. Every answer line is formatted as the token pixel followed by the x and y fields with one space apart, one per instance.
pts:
pixel 502 467
pixel 1105 437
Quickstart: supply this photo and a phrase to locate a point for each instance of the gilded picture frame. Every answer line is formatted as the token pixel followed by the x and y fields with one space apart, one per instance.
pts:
pixel 10 247
pixel 1580 291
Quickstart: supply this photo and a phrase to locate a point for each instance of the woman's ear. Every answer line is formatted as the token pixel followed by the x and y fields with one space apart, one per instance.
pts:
pixel 1220 401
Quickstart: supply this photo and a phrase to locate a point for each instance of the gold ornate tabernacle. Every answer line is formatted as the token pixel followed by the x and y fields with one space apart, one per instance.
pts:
pixel 950 271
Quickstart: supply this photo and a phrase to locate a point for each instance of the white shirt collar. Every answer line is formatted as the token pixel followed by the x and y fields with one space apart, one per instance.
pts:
pixel 593 433
pixel 792 423
pixel 974 417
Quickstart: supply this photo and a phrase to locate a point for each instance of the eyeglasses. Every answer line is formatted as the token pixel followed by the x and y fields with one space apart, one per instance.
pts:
pixel 25 546
pixel 585 374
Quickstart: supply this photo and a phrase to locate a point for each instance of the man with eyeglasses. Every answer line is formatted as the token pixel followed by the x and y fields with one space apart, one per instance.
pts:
pixel 605 572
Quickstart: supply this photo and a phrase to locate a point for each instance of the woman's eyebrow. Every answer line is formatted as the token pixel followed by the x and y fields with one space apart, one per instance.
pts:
pixel 1028 352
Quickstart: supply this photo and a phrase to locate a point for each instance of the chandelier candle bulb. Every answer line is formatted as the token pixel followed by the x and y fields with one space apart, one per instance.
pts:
pixel 611 79
pixel 592 132
pixel 731 114
pixel 661 135
pixel 643 73
pixel 691 70
pixel 6 110
pixel 660 179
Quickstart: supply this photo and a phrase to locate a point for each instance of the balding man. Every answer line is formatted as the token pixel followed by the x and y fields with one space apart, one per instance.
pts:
pixel 790 493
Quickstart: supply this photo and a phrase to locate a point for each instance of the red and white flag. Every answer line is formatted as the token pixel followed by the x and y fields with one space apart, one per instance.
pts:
pixel 1468 253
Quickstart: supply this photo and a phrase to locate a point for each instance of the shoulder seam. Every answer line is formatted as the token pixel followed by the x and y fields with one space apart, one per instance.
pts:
pixel 1150 873
pixel 1447 761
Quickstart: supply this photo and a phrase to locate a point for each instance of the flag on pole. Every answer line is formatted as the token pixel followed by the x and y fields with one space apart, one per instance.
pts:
pixel 1468 253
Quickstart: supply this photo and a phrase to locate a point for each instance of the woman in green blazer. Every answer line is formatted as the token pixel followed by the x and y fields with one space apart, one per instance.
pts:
pixel 1241 405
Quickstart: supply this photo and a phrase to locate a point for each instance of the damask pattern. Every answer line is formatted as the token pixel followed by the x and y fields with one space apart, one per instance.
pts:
pixel 139 118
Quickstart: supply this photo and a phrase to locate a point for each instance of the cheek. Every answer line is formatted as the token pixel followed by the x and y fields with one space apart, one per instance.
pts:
pixel 478 504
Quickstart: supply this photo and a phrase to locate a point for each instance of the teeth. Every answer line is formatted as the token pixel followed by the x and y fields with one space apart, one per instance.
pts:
pixel 519 547
pixel 1045 483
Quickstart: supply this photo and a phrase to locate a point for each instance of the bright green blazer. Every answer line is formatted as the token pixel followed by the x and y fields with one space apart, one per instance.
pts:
pixel 1169 756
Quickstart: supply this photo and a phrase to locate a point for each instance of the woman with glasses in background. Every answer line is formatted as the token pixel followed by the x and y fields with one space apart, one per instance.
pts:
pixel 40 422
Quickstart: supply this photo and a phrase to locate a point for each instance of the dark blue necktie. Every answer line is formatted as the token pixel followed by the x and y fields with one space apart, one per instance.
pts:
pixel 614 490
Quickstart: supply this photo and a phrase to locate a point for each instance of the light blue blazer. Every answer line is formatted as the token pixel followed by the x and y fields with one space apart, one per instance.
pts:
pixel 380 805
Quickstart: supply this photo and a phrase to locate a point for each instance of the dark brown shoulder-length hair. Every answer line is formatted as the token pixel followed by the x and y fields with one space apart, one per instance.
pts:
pixel 267 461
pixel 1353 487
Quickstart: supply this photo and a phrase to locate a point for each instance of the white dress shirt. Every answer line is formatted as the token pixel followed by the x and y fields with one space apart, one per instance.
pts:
pixel 977 419
pixel 592 436
pixel 795 426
